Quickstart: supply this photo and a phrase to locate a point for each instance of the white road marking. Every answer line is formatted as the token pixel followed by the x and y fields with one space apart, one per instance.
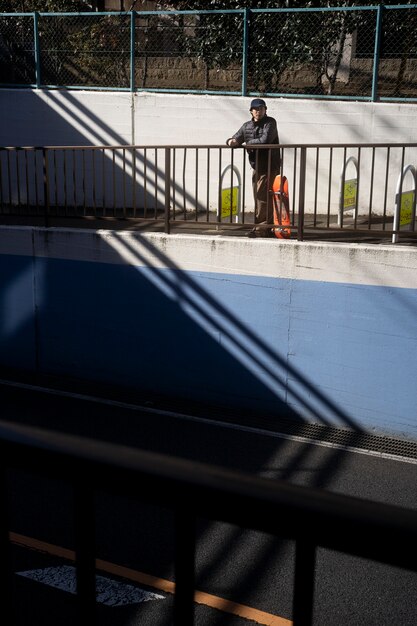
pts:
pixel 108 592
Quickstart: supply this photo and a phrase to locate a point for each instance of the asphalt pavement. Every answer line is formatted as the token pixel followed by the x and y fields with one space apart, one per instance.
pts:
pixel 134 540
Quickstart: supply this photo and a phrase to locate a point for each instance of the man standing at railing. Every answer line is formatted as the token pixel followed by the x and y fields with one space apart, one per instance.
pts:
pixel 261 129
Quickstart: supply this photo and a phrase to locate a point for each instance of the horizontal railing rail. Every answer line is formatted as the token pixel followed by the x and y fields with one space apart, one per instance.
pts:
pixel 357 52
pixel 335 190
pixel 313 518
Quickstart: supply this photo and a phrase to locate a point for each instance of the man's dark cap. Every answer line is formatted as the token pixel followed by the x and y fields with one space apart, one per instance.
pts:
pixel 258 102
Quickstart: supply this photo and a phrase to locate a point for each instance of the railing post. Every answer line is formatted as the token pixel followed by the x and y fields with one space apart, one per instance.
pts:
pixel 167 188
pixel 302 193
pixel 45 186
pixel 303 600
pixel 184 568
pixel 85 551
pixel 6 569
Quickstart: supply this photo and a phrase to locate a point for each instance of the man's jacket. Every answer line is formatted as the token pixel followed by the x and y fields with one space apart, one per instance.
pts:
pixel 262 132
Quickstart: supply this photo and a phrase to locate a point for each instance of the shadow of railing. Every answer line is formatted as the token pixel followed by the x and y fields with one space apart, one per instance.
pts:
pixel 249 351
pixel 382 533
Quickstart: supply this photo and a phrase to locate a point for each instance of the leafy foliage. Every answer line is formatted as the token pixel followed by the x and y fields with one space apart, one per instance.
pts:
pixel 26 6
pixel 278 42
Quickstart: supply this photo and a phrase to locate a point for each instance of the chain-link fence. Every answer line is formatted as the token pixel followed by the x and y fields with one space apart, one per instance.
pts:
pixel 359 53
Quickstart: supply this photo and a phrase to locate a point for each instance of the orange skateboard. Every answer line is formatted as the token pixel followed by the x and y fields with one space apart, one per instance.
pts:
pixel 281 206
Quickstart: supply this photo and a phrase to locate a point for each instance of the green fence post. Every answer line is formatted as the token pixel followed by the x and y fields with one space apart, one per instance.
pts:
pixel 132 50
pixel 377 50
pixel 246 14
pixel 37 51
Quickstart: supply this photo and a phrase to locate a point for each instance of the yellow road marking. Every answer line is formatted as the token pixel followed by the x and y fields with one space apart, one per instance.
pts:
pixel 227 606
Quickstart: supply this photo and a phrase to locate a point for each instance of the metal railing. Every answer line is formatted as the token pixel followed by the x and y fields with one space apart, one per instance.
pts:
pixel 383 533
pixel 364 52
pixel 335 191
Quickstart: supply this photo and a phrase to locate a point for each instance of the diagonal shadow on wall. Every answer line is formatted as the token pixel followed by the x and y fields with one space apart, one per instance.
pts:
pixel 140 320
pixel 136 177
pixel 137 322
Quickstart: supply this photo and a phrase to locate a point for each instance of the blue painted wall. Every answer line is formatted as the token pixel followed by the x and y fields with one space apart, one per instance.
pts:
pixel 340 353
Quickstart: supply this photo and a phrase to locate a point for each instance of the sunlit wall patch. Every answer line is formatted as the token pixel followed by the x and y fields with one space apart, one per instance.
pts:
pixel 17 302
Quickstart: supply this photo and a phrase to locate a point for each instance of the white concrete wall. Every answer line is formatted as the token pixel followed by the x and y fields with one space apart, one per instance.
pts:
pixel 38 117
pixel 32 117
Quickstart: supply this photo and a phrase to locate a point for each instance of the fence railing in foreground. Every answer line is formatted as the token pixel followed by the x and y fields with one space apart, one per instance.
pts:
pixel 334 189
pixel 312 518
